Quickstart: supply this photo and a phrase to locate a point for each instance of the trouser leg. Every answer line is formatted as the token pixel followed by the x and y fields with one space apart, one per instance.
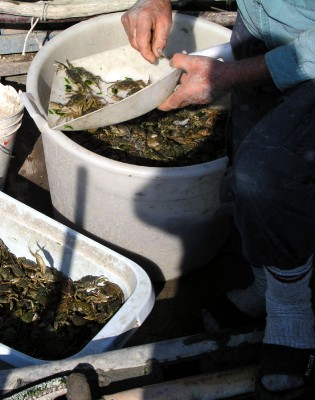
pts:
pixel 269 187
pixel 271 184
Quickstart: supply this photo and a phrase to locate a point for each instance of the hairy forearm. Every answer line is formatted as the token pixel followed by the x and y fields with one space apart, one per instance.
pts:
pixel 248 72
pixel 205 79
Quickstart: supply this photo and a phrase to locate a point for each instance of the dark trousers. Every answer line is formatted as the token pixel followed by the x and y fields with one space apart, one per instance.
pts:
pixel 269 186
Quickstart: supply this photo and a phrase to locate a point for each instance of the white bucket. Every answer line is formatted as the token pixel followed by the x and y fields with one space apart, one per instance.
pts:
pixel 7 140
pixel 163 218
pixel 11 114
pixel 11 121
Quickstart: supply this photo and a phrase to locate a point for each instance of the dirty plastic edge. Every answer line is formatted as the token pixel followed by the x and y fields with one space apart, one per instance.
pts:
pixel 141 299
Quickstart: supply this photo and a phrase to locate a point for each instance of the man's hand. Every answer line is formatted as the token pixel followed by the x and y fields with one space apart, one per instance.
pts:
pixel 200 82
pixel 147 24
pixel 206 79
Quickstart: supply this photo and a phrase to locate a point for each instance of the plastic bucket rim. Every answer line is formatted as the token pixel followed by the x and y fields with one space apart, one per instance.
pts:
pixel 11 132
pixel 18 120
pixel 20 111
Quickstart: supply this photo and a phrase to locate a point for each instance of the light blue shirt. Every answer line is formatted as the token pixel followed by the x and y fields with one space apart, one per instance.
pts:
pixel 288 29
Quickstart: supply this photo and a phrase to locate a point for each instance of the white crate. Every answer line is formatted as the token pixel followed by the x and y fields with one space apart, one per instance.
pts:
pixel 22 227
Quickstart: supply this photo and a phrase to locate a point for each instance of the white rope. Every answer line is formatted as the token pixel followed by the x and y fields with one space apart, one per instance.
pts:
pixel 43 17
pixel 44 9
pixel 33 24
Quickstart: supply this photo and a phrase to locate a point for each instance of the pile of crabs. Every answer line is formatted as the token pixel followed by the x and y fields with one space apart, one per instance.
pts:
pixel 46 315
pixel 84 93
pixel 188 136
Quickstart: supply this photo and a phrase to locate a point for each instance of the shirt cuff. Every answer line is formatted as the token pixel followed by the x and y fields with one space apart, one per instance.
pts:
pixel 284 68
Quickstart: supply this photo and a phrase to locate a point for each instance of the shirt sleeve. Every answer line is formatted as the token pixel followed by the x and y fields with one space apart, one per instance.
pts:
pixel 293 63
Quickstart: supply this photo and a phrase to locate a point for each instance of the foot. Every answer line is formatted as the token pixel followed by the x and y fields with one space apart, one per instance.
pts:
pixel 289 342
pixel 240 307
pixel 223 314
pixel 286 374
pixel 251 300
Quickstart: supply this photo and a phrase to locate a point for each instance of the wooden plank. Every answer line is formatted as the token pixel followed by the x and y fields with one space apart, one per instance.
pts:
pixel 210 386
pixel 15 64
pixel 14 68
pixel 78 8
pixel 19 19
pixel 224 18
pixel 14 43
pixel 235 349
pixel 51 10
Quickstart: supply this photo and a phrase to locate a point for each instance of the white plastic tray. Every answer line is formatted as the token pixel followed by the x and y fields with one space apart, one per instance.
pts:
pixel 22 227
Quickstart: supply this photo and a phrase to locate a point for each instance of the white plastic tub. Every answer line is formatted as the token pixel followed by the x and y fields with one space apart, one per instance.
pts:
pixel 165 217
pixel 11 114
pixel 22 228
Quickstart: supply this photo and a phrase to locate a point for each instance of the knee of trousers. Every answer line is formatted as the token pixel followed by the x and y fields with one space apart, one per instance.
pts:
pixel 262 176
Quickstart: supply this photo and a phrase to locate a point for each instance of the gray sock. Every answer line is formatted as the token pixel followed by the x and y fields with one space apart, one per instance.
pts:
pixel 290 318
pixel 251 300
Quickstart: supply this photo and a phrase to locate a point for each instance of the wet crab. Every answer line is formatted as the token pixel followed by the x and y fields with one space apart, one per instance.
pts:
pixel 79 76
pixel 124 88
pixel 78 105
